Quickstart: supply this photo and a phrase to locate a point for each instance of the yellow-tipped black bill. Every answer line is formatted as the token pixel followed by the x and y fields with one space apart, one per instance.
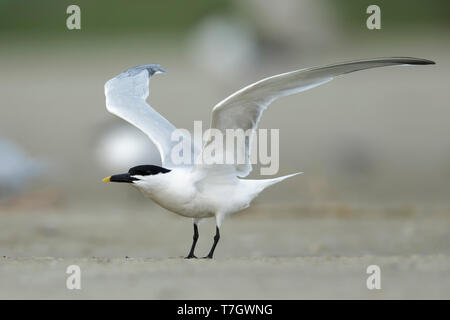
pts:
pixel 123 177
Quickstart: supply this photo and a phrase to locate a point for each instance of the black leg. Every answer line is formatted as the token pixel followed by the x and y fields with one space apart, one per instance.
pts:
pixel 194 242
pixel 216 239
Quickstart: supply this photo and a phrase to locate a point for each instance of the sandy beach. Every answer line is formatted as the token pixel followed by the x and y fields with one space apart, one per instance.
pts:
pixel 294 253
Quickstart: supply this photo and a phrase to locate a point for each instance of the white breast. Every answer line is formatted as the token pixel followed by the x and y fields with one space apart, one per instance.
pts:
pixel 180 192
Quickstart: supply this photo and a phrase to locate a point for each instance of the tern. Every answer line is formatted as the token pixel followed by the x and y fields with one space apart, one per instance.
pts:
pixel 198 190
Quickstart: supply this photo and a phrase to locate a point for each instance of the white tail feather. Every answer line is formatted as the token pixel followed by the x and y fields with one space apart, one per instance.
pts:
pixel 261 184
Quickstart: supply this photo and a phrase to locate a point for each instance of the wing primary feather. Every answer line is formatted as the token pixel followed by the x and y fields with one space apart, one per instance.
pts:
pixel 126 96
pixel 243 109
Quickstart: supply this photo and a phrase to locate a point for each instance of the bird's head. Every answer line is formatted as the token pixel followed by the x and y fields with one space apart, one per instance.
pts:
pixel 137 173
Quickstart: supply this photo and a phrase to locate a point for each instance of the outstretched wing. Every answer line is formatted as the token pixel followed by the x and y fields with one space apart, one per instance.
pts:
pixel 244 108
pixel 125 97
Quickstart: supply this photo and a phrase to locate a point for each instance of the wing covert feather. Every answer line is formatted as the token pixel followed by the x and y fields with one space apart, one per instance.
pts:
pixel 243 109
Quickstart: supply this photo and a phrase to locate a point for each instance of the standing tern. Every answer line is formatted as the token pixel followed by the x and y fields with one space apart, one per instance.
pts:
pixel 200 190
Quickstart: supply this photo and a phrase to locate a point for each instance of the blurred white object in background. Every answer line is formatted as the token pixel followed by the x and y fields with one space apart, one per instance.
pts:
pixel 16 168
pixel 223 46
pixel 123 147
pixel 299 26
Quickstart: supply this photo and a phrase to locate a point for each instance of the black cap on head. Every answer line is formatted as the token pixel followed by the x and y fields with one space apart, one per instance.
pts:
pixel 147 170
pixel 144 170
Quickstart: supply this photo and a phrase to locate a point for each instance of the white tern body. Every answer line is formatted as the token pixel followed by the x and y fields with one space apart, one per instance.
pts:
pixel 214 190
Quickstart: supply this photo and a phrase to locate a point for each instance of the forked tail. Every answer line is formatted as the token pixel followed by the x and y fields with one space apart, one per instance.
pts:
pixel 261 184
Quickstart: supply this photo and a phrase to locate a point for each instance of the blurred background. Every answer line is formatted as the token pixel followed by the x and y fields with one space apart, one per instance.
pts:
pixel 374 145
